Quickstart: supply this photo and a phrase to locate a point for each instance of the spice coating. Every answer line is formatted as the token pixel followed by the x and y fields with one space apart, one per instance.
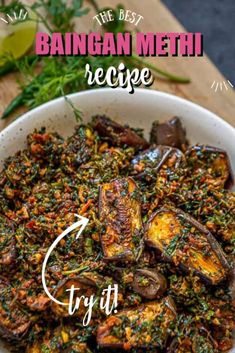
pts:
pixel 130 191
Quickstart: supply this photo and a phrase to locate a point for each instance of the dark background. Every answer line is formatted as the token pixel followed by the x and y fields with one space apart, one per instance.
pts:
pixel 216 20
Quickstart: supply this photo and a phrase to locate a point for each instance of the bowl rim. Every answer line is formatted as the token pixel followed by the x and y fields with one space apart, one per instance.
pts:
pixel 25 116
pixel 171 97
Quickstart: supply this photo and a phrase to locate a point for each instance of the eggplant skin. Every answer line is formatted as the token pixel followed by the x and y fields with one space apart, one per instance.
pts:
pixel 152 160
pixel 146 326
pixel 170 133
pixel 14 323
pixel 212 164
pixel 87 287
pixel 118 134
pixel 146 282
pixel 189 245
pixel 120 212
pixel 149 283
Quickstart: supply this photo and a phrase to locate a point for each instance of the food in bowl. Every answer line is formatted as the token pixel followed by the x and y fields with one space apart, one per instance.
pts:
pixel 160 226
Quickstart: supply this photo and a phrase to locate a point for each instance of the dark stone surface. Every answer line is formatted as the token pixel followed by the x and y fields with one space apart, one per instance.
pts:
pixel 216 20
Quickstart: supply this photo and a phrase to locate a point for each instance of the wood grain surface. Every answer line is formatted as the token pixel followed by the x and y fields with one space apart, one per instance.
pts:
pixel 200 70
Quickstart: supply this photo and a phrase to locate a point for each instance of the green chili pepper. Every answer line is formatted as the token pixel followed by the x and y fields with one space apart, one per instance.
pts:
pixel 15 103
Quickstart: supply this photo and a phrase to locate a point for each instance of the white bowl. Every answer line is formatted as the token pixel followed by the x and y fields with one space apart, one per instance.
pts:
pixel 137 110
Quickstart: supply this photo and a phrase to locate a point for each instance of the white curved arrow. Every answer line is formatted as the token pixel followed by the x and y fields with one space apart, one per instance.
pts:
pixel 82 224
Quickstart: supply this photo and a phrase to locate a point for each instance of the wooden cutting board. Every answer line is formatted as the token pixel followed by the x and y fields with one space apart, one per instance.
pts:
pixel 200 70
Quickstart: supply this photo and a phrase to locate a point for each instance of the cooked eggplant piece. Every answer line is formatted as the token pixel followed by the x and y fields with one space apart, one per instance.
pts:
pixel 209 165
pixel 117 134
pixel 169 133
pixel 86 286
pixel 8 252
pixel 146 326
pixel 189 245
pixel 147 258
pixel 149 162
pixel 120 212
pixel 14 322
pixel 149 283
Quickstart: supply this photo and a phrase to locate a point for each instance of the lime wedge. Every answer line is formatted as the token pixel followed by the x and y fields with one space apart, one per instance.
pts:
pixel 17 38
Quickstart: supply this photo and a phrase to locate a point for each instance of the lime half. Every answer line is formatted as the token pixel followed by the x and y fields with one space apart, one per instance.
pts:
pixel 17 38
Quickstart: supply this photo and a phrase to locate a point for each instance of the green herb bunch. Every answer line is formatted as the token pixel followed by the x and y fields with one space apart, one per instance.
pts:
pixel 45 78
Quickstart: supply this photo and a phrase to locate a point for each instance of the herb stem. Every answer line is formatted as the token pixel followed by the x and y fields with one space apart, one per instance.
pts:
pixel 76 270
pixel 15 103
pixel 42 20
pixel 163 73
